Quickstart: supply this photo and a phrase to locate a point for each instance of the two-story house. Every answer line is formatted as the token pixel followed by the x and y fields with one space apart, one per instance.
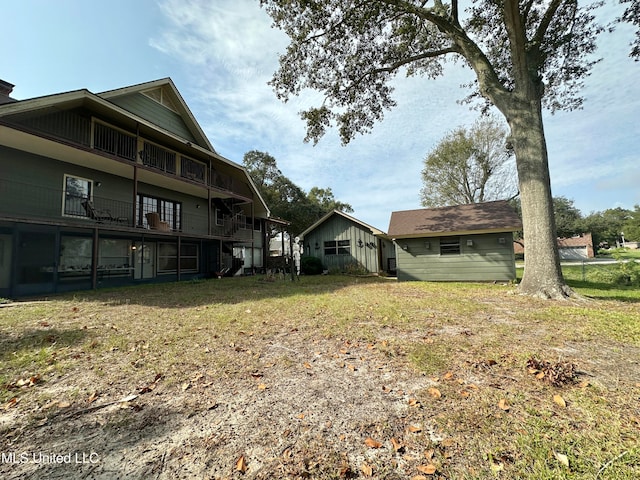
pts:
pixel 117 188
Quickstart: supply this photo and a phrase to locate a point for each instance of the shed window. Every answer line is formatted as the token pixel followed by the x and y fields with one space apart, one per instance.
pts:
pixel 450 246
pixel 337 247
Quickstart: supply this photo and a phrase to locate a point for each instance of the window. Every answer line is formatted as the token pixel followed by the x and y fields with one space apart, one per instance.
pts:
pixel 76 190
pixel 219 217
pixel 168 258
pixel 450 246
pixel 168 210
pixel 337 247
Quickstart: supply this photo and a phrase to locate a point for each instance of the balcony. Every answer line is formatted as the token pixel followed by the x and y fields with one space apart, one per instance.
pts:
pixel 26 201
pixel 78 127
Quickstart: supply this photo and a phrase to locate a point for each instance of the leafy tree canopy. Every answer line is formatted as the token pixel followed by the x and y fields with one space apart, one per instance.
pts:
pixel 287 200
pixel 469 166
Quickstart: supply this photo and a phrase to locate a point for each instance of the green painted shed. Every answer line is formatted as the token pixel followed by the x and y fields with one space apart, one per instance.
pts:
pixel 340 240
pixel 472 242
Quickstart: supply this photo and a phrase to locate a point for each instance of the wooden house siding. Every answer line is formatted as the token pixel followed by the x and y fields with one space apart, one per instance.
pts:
pixel 149 109
pixel 487 259
pixel 340 228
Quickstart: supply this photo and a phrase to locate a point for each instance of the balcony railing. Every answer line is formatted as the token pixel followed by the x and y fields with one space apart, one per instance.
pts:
pixel 19 200
pixel 157 157
pixel 77 126
pixel 192 169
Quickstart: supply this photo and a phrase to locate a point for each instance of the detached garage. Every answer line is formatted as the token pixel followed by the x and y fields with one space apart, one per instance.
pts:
pixel 471 242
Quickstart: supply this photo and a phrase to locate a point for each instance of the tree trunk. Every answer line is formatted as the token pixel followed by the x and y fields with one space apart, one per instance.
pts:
pixel 542 273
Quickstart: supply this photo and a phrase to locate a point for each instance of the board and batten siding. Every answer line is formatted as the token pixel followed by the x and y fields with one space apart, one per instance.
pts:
pixel 340 228
pixel 486 260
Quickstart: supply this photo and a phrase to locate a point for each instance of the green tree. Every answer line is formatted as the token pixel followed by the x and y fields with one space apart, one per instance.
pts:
pixel 469 166
pixel 631 226
pixel 286 199
pixel 325 201
pixel 607 225
pixel 631 15
pixel 525 54
pixel 568 217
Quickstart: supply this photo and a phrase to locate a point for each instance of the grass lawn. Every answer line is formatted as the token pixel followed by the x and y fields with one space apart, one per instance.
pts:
pixel 329 377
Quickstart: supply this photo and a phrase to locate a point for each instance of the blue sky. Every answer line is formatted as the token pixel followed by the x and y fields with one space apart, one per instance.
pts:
pixel 220 54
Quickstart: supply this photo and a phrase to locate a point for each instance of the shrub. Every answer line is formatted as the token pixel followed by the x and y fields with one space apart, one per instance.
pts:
pixel 311 266
pixel 355 268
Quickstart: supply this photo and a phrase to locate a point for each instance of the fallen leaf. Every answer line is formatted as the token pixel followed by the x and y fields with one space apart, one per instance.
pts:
pixel 428 454
pixel 414 402
pixel 64 404
pixel 562 458
pixel 464 394
pixel 367 470
pixel 241 464
pixel 351 367
pixel 428 469
pixel 559 401
pixel 262 386
pixel 448 376
pixel 540 376
pixel 11 403
pixel 386 389
pixel 434 392
pixel 414 429
pixel 503 405
pixel 371 443
pixel 345 471
pixel 301 416
pixel 396 444
pixel 418 477
pixel 306 365
pixel 93 397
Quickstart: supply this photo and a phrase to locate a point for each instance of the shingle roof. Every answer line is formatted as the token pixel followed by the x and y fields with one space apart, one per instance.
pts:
pixel 496 216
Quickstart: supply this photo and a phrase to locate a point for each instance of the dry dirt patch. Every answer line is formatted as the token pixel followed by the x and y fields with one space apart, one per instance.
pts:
pixel 372 380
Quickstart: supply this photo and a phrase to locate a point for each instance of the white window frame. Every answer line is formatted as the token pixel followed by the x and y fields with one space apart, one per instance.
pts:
pixel 64 195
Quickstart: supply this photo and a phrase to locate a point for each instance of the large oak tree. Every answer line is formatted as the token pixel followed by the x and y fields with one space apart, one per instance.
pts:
pixel 526 55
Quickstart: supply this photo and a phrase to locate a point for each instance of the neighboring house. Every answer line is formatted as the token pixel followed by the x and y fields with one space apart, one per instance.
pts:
pixel 471 242
pixel 574 248
pixel 117 188
pixel 340 240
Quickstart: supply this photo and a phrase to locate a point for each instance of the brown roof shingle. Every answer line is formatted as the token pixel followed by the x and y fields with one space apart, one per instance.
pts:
pixel 496 216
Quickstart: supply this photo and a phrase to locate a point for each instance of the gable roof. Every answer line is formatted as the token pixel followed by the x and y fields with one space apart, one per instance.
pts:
pixel 487 217
pixel 175 103
pixel 373 230
pixel 104 102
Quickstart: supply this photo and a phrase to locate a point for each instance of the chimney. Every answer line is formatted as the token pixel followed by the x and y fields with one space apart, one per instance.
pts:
pixel 5 90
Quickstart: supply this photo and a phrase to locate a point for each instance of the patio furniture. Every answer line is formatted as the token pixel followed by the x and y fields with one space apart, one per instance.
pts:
pixel 100 215
pixel 153 219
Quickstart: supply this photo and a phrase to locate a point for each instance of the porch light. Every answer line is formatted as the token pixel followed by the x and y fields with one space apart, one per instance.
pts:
pixel 360 244
pixel 317 246
pixel 502 240
pixel 405 247
pixel 469 243
pixel 427 245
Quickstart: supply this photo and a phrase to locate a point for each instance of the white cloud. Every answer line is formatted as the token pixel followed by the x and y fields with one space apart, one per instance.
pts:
pixel 230 51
